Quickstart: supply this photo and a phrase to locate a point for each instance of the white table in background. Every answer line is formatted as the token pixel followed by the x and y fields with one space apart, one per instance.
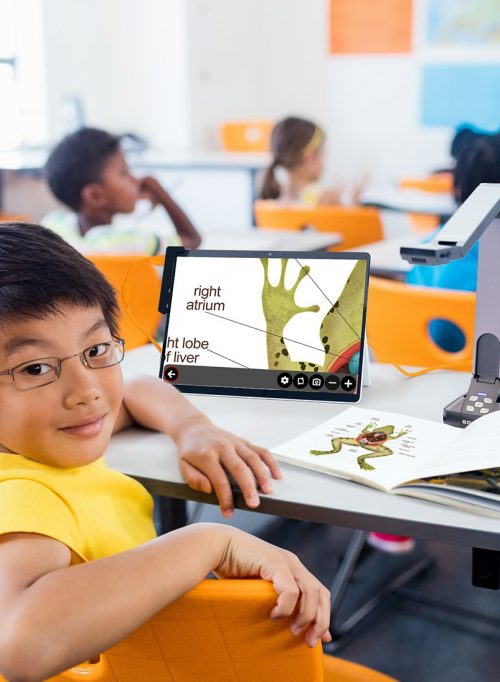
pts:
pixel 385 259
pixel 411 201
pixel 254 239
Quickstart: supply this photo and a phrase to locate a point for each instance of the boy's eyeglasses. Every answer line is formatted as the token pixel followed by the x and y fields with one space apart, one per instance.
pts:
pixel 43 371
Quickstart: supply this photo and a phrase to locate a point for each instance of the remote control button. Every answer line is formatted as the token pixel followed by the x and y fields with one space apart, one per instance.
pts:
pixel 488 401
pixel 300 381
pixel 479 404
pixel 473 398
pixel 284 380
pixel 316 381
pixel 469 408
pixel 484 410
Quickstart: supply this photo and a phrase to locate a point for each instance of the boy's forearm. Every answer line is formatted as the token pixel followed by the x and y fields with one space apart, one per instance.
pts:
pixel 156 405
pixel 182 223
pixel 75 613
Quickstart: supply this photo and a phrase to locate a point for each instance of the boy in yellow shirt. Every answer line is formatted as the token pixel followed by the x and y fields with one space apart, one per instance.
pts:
pixel 80 567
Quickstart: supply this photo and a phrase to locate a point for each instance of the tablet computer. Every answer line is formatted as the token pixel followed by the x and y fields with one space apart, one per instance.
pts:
pixel 265 324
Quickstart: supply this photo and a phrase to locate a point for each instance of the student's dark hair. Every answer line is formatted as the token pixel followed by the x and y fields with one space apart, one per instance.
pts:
pixel 463 135
pixel 40 272
pixel 289 138
pixel 478 161
pixel 77 161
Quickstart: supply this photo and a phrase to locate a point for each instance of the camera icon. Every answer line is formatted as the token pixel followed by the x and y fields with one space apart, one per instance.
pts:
pixel 316 381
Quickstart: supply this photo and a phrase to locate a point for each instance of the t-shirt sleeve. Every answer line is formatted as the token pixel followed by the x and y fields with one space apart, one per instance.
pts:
pixel 31 507
pixel 110 240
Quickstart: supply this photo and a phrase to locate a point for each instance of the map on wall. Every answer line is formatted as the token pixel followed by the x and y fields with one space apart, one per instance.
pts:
pixel 463 22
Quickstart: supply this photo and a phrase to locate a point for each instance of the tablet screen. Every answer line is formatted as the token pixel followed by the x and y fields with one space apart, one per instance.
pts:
pixel 287 325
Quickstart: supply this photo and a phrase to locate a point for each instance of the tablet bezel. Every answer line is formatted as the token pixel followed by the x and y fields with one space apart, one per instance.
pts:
pixel 175 252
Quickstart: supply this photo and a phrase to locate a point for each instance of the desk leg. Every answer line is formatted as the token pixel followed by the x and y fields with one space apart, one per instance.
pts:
pixel 172 513
pixel 486 568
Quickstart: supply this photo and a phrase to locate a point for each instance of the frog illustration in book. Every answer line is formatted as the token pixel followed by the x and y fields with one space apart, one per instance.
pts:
pixel 339 331
pixel 372 438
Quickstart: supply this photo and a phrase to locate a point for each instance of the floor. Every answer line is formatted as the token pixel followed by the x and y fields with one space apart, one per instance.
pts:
pixel 411 641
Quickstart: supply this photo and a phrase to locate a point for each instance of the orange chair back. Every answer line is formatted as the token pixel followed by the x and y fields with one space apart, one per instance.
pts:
pixel 398 317
pixel 439 183
pixel 246 136
pixel 219 631
pixel 422 223
pixel 13 218
pixel 356 225
pixel 144 291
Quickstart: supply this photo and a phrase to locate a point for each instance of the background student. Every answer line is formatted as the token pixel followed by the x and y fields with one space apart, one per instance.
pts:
pixel 477 161
pixel 87 172
pixel 80 567
pixel 298 151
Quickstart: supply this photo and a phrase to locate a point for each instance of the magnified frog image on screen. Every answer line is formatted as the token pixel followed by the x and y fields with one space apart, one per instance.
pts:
pixel 265 324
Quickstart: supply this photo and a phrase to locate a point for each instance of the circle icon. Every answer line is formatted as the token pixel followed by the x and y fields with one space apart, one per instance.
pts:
pixel 332 382
pixel 300 381
pixel 284 380
pixel 316 382
pixel 348 383
pixel 170 374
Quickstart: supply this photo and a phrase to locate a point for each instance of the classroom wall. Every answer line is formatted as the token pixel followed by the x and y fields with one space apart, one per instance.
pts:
pixel 172 70
pixel 368 104
pixel 127 60
pixel 241 66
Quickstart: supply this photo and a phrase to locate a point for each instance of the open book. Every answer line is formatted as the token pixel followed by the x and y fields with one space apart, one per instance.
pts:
pixel 407 455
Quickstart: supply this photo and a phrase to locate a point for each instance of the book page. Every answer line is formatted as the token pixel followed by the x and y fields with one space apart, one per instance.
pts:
pixel 454 498
pixel 380 449
pixel 477 447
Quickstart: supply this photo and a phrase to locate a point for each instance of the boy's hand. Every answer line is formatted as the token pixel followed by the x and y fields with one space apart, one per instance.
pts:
pixel 209 455
pixel 301 597
pixel 151 189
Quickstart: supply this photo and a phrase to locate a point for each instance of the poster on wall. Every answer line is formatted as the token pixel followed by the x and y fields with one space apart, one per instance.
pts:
pixel 367 27
pixel 462 22
pixel 453 94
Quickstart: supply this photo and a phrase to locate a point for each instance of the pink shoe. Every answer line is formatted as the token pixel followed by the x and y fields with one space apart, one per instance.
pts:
pixel 394 544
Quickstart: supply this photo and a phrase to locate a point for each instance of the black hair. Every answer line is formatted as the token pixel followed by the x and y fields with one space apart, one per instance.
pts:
pixel 289 138
pixel 39 272
pixel 77 161
pixel 478 161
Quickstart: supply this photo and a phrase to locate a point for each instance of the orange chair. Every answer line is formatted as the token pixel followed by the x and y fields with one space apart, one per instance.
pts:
pixel 219 631
pixel 245 136
pixel 398 317
pixel 437 183
pixel 144 294
pixel 13 218
pixel 357 225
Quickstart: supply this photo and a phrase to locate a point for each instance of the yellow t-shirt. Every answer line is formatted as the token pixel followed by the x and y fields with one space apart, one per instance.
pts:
pixel 92 509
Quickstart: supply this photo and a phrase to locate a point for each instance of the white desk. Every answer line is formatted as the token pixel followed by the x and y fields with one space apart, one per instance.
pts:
pixel 150 457
pixel 411 201
pixel 269 240
pixel 385 259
